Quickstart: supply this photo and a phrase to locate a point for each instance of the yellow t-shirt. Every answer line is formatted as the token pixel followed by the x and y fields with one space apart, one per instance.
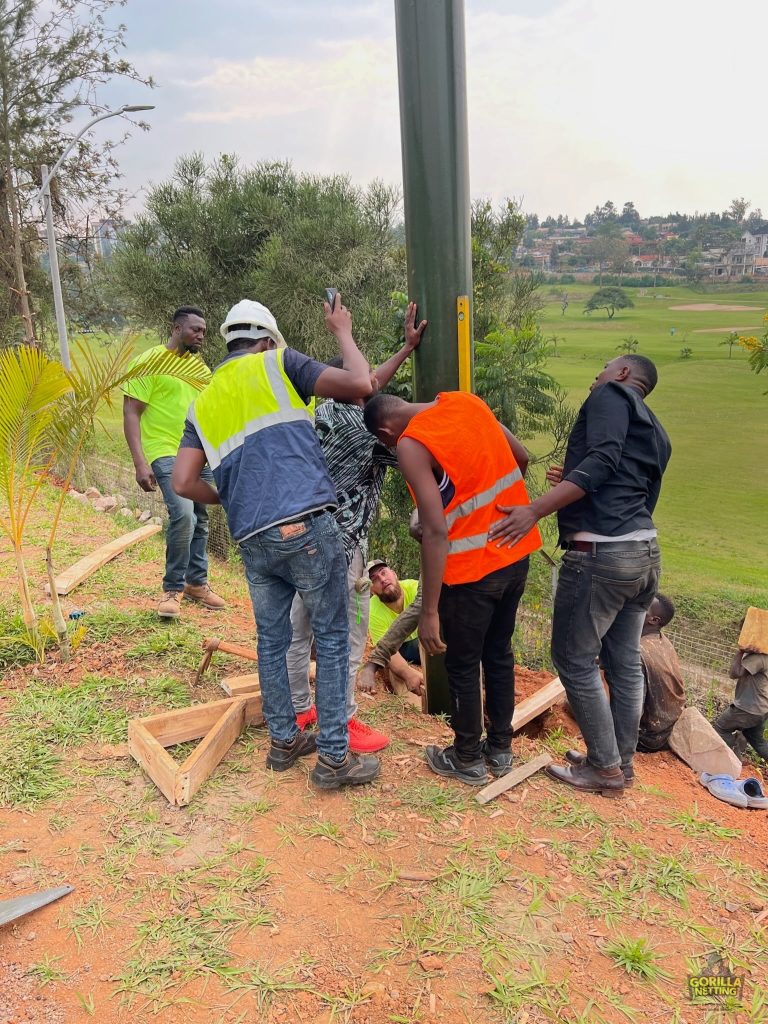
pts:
pixel 167 400
pixel 381 615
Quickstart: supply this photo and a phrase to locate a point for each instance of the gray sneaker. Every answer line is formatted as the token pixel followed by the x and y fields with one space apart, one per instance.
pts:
pixel 282 756
pixel 499 761
pixel 445 762
pixel 354 770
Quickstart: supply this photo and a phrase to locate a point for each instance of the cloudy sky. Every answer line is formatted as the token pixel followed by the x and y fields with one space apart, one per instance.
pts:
pixel 571 102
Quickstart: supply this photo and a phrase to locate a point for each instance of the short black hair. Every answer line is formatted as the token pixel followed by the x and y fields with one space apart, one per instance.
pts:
pixel 643 370
pixel 183 312
pixel 667 609
pixel 378 409
pixel 241 344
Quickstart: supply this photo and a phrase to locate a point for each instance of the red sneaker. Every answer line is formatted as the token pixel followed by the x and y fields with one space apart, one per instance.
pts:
pixel 306 718
pixel 363 739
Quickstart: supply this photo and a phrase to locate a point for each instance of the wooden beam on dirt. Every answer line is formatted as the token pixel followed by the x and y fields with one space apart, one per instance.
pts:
pixel 81 570
pixel 219 722
pixel 516 776
pixel 545 698
pixel 235 686
pixel 201 762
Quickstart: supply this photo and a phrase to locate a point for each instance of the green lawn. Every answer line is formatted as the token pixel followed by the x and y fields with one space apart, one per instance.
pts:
pixel 712 512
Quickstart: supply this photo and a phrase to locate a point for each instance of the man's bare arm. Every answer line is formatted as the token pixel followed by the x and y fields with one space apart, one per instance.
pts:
pixel 517 449
pixel 354 379
pixel 416 465
pixel 186 480
pixel 133 410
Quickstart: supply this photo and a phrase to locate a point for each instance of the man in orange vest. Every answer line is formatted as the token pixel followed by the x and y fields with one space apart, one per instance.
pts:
pixel 458 460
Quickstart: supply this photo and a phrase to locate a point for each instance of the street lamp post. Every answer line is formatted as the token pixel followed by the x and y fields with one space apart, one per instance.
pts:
pixel 53 256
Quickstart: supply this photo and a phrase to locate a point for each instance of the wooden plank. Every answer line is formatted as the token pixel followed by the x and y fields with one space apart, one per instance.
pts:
pixel 88 565
pixel 514 777
pixel 754 632
pixel 215 644
pixel 185 724
pixel 234 686
pixel 539 702
pixel 201 762
pixel 153 758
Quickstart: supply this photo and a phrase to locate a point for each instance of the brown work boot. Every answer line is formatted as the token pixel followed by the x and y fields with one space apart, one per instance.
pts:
pixel 606 781
pixel 170 606
pixel 576 757
pixel 202 592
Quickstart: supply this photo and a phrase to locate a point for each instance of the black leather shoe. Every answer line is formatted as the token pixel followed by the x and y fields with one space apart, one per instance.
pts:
pixel 354 770
pixel 282 756
pixel 445 762
pixel 576 757
pixel 608 782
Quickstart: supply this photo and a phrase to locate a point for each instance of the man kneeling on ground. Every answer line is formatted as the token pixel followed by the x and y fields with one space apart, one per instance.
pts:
pixel 390 598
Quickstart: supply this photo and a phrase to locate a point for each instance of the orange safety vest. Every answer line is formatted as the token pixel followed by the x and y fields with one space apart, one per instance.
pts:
pixel 463 436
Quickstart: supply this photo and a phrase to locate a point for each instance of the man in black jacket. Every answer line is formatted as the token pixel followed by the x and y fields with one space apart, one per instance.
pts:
pixel 610 483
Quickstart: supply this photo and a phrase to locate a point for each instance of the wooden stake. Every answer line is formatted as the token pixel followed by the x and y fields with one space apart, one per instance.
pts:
pixel 550 694
pixel 516 776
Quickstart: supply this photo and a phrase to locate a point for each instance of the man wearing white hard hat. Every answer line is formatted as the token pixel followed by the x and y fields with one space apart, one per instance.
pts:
pixel 252 426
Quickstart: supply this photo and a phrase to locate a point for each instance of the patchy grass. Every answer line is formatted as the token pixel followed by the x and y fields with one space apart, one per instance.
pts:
pixel 636 956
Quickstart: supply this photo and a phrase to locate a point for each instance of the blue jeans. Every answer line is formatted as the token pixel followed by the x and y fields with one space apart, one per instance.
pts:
pixel 186 538
pixel 305 557
pixel 600 606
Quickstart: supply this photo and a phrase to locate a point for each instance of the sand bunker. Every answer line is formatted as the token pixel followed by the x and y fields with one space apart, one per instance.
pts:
pixel 722 330
pixel 709 307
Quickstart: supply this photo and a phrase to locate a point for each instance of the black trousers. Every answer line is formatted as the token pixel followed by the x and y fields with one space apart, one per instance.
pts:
pixel 478 620
pixel 752 727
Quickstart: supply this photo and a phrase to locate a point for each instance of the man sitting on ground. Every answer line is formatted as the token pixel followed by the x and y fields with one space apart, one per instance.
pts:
pixel 390 598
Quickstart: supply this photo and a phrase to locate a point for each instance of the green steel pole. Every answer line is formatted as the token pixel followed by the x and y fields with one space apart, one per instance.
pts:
pixel 433 128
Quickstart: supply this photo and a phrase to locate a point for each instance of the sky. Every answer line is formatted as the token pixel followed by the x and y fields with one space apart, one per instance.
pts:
pixel 571 102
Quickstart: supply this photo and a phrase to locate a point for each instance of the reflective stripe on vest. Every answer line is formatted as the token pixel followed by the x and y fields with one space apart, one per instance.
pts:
pixel 479 500
pixel 287 412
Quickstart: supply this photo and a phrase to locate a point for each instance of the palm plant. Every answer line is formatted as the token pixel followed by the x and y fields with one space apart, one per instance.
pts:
pixel 46 419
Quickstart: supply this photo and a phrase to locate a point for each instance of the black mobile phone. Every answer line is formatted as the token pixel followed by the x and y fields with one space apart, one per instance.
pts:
pixel 330 296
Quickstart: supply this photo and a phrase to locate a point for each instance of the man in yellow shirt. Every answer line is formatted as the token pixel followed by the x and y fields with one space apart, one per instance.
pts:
pixel 390 597
pixel 154 411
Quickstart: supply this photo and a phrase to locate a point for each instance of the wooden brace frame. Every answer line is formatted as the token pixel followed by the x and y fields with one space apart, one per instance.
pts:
pixel 215 644
pixel 219 723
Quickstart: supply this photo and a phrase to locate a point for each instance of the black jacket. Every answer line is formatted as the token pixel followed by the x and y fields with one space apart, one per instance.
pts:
pixel 617 453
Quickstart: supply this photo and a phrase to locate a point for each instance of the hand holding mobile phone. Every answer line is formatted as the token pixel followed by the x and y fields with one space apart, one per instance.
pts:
pixel 330 296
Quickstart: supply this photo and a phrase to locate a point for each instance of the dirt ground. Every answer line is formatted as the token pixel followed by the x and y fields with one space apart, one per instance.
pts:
pixel 707 307
pixel 399 903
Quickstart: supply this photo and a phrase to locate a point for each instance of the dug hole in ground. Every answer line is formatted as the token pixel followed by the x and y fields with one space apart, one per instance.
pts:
pixel 264 900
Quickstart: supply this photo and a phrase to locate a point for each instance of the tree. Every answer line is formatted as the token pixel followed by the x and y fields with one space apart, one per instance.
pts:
pixel 610 299
pixel 217 232
pixel 496 233
pixel 54 58
pixel 46 416
pixel 629 216
pixel 757 349
pixel 730 340
pixel 737 211
pixel 628 345
pixel 605 247
pixel 564 303
pixel 686 353
pixel 555 340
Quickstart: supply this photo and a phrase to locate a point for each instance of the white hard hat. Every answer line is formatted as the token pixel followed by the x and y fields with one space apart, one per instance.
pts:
pixel 261 323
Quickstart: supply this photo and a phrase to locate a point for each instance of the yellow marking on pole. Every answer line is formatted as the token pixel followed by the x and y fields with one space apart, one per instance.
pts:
pixel 464 343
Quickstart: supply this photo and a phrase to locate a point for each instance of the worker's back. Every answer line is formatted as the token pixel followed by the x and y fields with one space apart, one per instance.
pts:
pixel 465 439
pixel 260 443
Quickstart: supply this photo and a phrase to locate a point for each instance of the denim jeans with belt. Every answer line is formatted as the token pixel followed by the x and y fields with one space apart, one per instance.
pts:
pixel 600 605
pixel 186 538
pixel 305 557
pixel 478 620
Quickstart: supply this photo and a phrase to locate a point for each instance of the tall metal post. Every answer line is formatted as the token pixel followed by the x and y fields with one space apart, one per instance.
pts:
pixel 53 259
pixel 433 126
